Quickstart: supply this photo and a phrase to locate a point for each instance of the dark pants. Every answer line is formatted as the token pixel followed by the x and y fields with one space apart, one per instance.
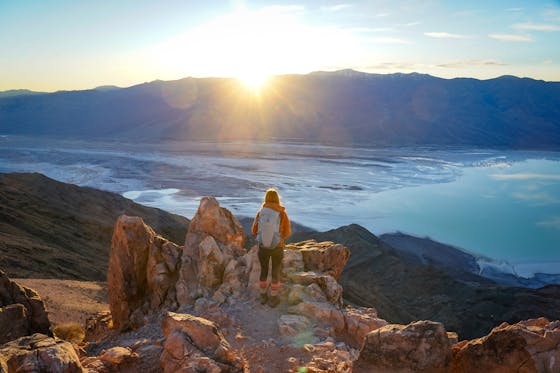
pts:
pixel 264 257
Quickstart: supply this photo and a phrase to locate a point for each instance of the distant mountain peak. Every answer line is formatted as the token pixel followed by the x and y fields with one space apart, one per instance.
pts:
pixel 104 88
pixel 18 92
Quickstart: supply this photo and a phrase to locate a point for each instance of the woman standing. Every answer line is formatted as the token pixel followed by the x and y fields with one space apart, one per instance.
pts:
pixel 272 227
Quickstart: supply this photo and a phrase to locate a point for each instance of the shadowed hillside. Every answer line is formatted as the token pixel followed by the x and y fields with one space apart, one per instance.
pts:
pixel 50 229
pixel 402 289
pixel 341 107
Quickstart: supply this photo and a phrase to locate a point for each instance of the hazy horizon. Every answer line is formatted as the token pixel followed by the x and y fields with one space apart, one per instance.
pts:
pixel 272 76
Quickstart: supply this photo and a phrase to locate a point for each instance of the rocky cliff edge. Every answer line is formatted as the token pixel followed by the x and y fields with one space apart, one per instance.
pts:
pixel 194 308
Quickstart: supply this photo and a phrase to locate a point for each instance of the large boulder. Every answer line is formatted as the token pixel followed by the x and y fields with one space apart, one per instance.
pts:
pixel 422 346
pixel 329 286
pixel 360 321
pixel 22 311
pixel 195 344
pixel 213 255
pixel 528 346
pixel 322 312
pixel 212 220
pixel 142 272
pixel 324 257
pixel 39 353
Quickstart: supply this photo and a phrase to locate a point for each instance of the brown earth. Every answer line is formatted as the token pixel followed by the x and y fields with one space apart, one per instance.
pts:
pixel 69 301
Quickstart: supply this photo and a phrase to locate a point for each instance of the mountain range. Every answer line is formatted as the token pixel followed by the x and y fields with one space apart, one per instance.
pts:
pixel 343 107
pixel 50 229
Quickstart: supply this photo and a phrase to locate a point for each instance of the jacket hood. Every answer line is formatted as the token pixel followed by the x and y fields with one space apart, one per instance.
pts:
pixel 274 206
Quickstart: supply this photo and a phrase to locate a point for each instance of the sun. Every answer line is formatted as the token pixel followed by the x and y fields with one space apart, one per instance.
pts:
pixel 255 80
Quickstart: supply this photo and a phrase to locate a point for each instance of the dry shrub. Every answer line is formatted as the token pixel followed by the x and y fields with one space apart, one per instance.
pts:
pixel 71 332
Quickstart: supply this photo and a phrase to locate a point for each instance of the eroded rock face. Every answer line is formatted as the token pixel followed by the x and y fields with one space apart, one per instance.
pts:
pixel 528 346
pixel 218 222
pixel 39 353
pixel 422 346
pixel 142 272
pixel 214 261
pixel 325 257
pixel 195 344
pixel 359 322
pixel 22 311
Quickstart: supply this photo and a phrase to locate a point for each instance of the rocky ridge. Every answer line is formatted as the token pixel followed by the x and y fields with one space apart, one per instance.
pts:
pixel 193 308
pixel 22 311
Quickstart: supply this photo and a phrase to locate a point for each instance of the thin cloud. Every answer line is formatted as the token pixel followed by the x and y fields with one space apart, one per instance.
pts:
pixel 514 9
pixel 445 35
pixel 548 62
pixel 511 37
pixel 536 27
pixel 470 63
pixel 336 8
pixel 410 24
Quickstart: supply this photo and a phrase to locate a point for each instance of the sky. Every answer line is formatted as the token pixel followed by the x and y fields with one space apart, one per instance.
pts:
pixel 50 45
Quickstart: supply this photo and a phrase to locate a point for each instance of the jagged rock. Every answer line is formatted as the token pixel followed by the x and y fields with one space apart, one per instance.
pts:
pixel 39 353
pixel 528 346
pixel 327 283
pixel 210 265
pixel 359 322
pixel 211 310
pixel 142 356
pixel 324 257
pixel 324 313
pixel 292 325
pixel 196 343
pixel 117 355
pixel 212 220
pixel 253 268
pixel 97 326
pixel 329 357
pixel 22 311
pixel 142 272
pixel 292 261
pixel 422 346
pixel 213 256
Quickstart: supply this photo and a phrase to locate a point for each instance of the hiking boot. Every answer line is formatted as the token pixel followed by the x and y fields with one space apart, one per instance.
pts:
pixel 274 301
pixel 264 298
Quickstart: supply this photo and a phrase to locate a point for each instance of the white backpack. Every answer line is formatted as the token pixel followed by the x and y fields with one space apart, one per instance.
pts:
pixel 268 235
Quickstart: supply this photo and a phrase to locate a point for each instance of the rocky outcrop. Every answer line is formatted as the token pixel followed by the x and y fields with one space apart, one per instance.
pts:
pixel 142 272
pixel 528 346
pixel 213 260
pixel 359 321
pixel 422 346
pixel 194 344
pixel 39 353
pixel 324 257
pixel 22 311
pixel 206 291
